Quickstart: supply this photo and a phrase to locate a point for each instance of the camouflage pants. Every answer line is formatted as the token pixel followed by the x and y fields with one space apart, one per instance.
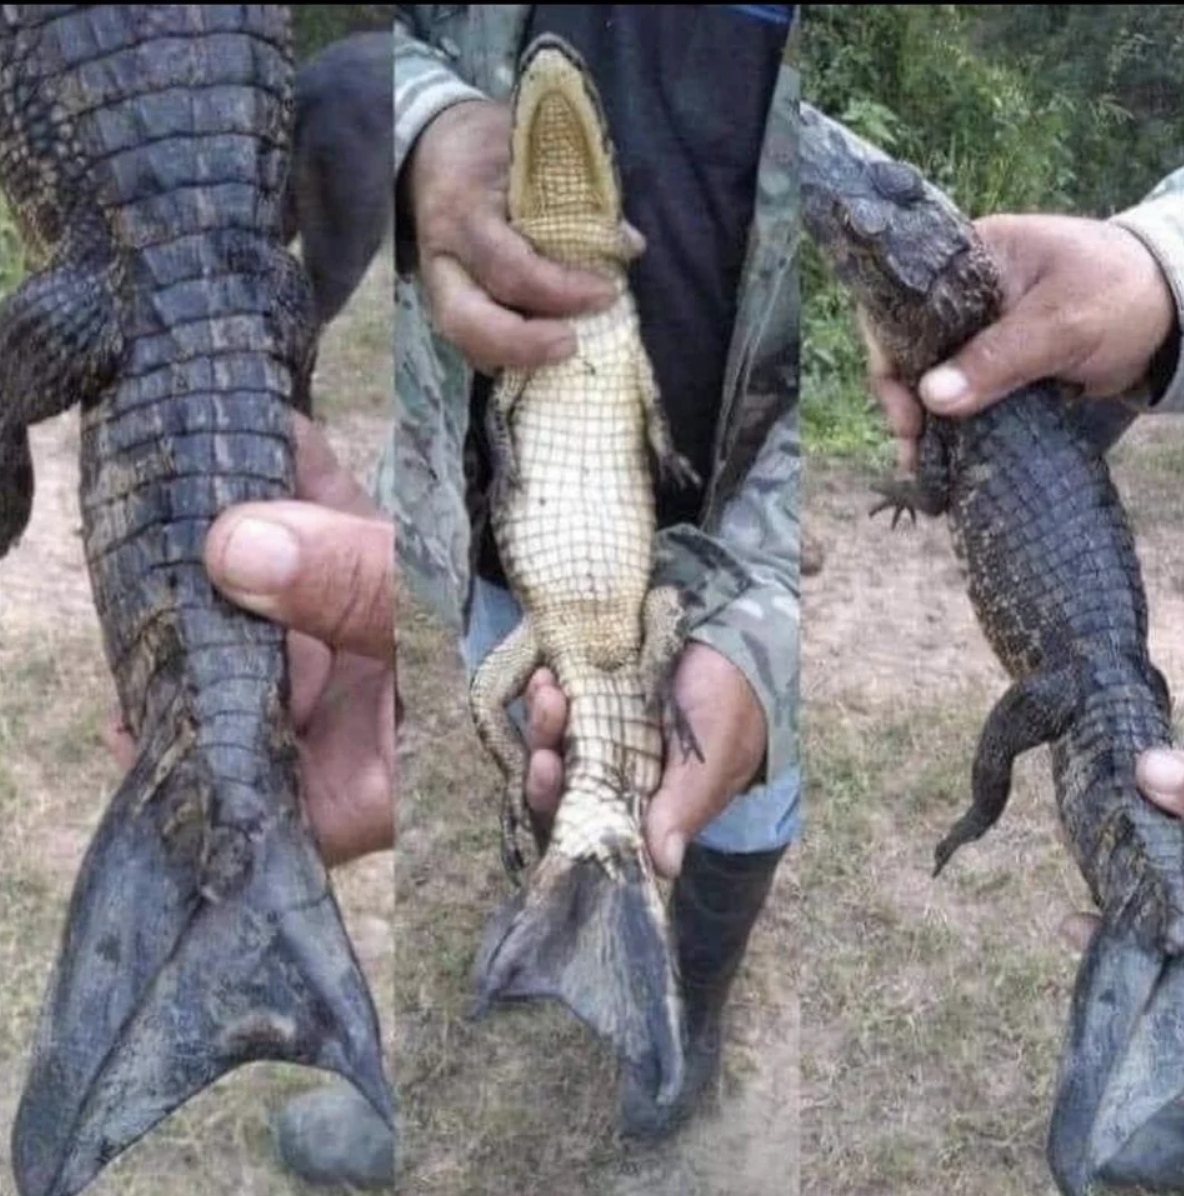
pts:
pixel 764 818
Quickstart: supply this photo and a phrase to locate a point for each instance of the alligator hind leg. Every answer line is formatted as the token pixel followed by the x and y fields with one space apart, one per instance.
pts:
pixel 928 492
pixel 497 429
pixel 1033 711
pixel 59 345
pixel 501 677
pixel 664 637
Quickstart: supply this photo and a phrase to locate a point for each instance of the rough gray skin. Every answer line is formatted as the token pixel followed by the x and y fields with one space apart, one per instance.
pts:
pixel 144 150
pixel 1056 585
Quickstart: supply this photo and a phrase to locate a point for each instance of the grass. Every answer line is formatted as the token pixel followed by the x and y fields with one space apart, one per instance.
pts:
pixel 932 1025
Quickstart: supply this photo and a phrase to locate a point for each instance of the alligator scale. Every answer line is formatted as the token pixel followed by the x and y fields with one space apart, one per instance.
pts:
pixel 573 516
pixel 144 151
pixel 1055 583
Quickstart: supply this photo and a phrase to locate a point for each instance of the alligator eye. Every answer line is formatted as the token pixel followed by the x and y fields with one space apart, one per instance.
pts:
pixel 897 181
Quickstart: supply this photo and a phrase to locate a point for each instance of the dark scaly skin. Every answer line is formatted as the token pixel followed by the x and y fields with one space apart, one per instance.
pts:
pixel 144 150
pixel 1056 586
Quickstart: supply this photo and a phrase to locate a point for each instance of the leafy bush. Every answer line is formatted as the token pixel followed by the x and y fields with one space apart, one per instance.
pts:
pixel 1020 108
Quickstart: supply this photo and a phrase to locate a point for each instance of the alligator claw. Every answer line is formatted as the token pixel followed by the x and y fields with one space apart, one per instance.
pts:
pixel 900 502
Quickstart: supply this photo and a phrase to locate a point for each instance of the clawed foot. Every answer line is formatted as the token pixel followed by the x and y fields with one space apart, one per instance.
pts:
pixel 900 497
pixel 674 467
pixel 513 860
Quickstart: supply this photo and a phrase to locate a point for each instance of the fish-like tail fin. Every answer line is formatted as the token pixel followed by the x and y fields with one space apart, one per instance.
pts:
pixel 1119 1112
pixel 168 977
pixel 598 941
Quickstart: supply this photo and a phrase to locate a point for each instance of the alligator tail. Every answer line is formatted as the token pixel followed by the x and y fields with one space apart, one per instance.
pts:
pixel 191 948
pixel 1119 1113
pixel 595 938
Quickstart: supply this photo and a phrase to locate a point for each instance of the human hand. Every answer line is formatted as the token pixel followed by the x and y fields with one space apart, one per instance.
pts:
pixel 322 565
pixel 1159 773
pixel 1084 302
pixel 728 722
pixel 478 273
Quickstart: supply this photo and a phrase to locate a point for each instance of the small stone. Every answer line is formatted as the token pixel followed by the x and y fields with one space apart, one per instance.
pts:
pixel 333 1136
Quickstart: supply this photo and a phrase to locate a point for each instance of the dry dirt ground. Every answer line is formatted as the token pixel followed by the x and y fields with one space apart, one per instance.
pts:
pixel 933 1011
pixel 56 778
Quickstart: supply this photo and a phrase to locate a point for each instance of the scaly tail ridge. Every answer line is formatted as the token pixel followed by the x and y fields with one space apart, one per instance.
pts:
pixel 163 986
pixel 599 943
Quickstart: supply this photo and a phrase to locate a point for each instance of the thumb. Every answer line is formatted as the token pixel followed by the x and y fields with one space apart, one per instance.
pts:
pixel 1025 345
pixel 311 569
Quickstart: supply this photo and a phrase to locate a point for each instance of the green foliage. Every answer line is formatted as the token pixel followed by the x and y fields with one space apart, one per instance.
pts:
pixel 1017 108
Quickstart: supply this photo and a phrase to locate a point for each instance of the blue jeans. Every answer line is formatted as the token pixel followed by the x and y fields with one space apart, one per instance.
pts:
pixel 762 819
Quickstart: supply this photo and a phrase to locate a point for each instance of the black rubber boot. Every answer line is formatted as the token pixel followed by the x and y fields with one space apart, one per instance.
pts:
pixel 332 1136
pixel 717 898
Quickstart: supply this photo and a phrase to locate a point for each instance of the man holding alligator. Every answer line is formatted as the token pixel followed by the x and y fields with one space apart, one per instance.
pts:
pixel 701 150
pixel 1096 304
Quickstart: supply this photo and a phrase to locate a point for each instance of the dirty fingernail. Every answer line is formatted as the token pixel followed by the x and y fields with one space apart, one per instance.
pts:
pixel 259 557
pixel 1162 771
pixel 944 386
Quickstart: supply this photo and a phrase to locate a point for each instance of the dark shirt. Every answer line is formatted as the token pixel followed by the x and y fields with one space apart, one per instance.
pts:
pixel 686 89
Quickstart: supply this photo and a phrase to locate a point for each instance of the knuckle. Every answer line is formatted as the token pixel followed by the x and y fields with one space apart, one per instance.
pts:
pixel 356 597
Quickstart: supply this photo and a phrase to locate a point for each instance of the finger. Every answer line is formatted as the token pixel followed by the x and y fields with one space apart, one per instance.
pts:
pixel 1159 773
pixel 505 266
pixel 1078 930
pixel 313 570
pixel 488 335
pixel 546 718
pixel 1029 343
pixel 539 679
pixel 321 478
pixel 544 784
pixel 902 411
pixel 119 742
pixel 634 240
pixel 667 823
pixel 309 665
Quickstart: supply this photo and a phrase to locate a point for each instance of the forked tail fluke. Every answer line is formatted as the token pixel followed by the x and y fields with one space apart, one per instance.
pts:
pixel 598 943
pixel 159 990
pixel 1119 1112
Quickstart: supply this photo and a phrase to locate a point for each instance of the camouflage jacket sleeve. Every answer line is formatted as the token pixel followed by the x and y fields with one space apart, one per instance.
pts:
pixel 742 583
pixel 1159 223
pixel 425 85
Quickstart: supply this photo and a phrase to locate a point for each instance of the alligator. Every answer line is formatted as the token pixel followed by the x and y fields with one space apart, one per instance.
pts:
pixel 573 515
pixel 1056 586
pixel 144 150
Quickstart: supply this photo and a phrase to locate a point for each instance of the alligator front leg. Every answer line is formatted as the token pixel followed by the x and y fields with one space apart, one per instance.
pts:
pixel 505 395
pixel 501 677
pixel 1033 711
pixel 60 344
pixel 672 465
pixel 929 491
